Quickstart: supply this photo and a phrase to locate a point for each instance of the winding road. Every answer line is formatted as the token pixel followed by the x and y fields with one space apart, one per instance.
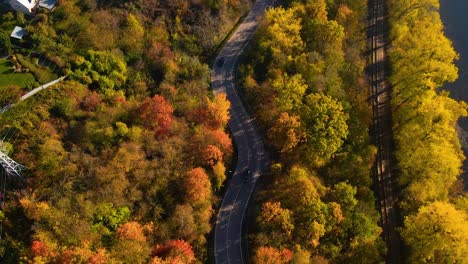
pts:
pixel 229 231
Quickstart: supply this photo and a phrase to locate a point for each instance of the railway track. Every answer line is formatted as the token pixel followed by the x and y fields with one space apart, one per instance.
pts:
pixel 385 184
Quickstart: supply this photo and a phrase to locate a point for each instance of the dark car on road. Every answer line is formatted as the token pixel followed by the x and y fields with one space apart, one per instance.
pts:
pixel 246 175
pixel 220 62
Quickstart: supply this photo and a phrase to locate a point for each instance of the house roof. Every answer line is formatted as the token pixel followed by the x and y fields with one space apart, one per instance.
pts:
pixel 18 32
pixel 49 4
pixel 29 4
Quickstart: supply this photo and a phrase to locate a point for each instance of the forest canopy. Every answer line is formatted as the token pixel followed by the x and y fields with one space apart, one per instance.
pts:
pixel 304 75
pixel 428 150
pixel 127 156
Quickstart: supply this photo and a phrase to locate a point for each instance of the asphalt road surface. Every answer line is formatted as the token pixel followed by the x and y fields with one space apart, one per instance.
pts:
pixel 229 239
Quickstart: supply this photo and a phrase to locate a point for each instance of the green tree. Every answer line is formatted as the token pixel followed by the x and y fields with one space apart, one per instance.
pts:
pixel 325 122
pixel 280 36
pixel 132 39
pixel 5 44
pixel 289 91
pixel 101 69
pixel 344 194
pixel 110 217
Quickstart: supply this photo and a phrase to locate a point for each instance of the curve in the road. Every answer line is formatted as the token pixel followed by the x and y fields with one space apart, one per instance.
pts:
pixel 228 241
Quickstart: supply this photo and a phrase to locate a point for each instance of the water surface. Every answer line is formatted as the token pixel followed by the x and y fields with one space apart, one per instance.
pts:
pixel 454 14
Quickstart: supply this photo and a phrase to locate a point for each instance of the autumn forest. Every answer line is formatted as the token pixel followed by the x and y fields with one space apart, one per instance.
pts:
pixel 129 157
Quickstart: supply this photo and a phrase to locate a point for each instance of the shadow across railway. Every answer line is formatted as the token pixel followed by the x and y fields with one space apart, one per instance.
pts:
pixel 383 169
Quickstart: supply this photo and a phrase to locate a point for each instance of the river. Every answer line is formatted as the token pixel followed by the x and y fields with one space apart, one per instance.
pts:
pixel 455 18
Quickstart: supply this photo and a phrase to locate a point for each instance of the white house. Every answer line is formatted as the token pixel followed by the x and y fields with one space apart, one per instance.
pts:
pixel 24 6
pixel 17 33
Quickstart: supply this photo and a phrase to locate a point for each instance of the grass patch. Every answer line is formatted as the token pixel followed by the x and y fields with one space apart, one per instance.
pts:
pixel 9 77
pixel 43 74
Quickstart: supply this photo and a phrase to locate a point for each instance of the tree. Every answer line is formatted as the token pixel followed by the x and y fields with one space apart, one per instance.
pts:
pixel 296 189
pixel 408 8
pixel 437 233
pixel 221 139
pixel 159 60
pixel 280 35
pixel 218 112
pixel 301 256
pixel 156 114
pixel 212 155
pixel 286 132
pixel 175 251
pixel 131 231
pixel 365 251
pixel 132 39
pixel 101 69
pixel 101 257
pixel 40 249
pixel 276 223
pixel 131 244
pixel 197 186
pixel 326 128
pixel 5 44
pixel 219 175
pixel 182 221
pixel 10 95
pixel 344 194
pixel 110 217
pixel 270 255
pixel 289 91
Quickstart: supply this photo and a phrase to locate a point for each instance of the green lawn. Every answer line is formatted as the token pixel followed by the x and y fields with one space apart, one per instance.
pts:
pixel 8 77
pixel 42 74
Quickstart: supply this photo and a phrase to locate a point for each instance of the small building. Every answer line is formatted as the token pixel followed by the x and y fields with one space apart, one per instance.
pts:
pixel 24 6
pixel 48 4
pixel 18 33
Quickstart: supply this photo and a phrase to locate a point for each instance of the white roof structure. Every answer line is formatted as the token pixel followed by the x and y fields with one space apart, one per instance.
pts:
pixel 18 32
pixel 49 4
pixel 24 6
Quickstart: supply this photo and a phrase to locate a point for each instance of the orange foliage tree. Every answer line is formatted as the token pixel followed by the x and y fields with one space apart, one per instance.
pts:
pixel 131 231
pixel 197 186
pixel 212 155
pixel 40 249
pixel 218 112
pixel 271 255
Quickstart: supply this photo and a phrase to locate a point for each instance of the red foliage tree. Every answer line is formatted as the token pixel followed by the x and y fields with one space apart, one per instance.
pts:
pixel 175 251
pixel 91 101
pixel 39 248
pixel 156 114
pixel 159 53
